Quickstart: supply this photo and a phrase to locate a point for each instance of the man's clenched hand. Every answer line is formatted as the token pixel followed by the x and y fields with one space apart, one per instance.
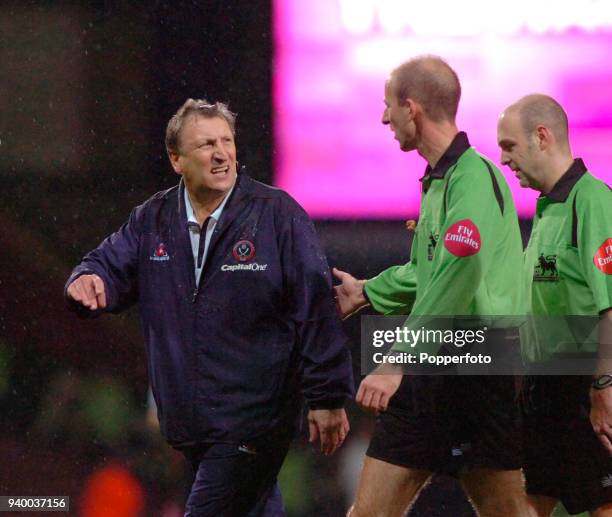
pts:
pixel 89 291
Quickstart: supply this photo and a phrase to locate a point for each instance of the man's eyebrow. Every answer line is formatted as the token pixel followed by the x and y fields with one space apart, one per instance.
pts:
pixel 201 138
pixel 505 141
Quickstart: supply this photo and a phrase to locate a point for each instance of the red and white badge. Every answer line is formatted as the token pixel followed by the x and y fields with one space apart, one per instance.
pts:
pixel 243 250
pixel 462 239
pixel 603 257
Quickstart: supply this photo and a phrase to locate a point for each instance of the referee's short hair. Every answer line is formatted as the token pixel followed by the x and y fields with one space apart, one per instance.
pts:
pixel 431 82
pixel 199 108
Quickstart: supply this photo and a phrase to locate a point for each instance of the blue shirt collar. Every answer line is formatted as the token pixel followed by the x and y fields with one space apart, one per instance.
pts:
pixel 191 217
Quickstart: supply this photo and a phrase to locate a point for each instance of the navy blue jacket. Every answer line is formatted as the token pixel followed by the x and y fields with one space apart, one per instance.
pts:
pixel 228 358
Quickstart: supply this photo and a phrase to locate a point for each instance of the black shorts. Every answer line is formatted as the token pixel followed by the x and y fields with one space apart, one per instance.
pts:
pixel 563 457
pixel 449 423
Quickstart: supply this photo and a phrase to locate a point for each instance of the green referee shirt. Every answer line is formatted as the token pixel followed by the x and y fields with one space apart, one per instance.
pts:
pixel 568 263
pixel 466 255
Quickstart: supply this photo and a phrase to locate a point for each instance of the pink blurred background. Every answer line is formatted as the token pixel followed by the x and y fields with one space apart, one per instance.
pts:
pixel 333 56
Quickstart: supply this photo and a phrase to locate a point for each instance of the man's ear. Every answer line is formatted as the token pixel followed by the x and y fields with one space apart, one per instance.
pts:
pixel 175 162
pixel 544 137
pixel 411 106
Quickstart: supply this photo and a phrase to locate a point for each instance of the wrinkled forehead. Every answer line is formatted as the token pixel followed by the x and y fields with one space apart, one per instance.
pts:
pixel 197 125
pixel 204 122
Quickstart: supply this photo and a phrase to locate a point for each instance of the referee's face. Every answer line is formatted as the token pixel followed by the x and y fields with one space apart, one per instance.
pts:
pixel 400 119
pixel 207 155
pixel 517 151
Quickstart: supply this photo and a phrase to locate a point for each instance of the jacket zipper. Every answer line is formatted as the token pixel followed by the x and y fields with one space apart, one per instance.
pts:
pixel 203 231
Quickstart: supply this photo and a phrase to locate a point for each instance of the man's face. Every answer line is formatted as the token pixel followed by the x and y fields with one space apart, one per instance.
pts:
pixel 397 115
pixel 207 155
pixel 519 151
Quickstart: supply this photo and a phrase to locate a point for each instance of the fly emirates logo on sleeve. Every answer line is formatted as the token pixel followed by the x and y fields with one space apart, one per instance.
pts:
pixel 244 251
pixel 462 239
pixel 603 257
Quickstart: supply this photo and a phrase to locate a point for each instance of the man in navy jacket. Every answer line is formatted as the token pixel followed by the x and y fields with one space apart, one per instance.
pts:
pixel 238 316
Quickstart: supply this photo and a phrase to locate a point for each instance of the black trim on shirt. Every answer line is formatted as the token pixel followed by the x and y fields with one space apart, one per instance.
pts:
pixel 566 183
pixel 458 146
pixel 496 189
pixel 574 224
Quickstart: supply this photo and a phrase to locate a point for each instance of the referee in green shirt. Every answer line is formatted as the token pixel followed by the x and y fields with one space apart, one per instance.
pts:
pixel 466 238
pixel 568 268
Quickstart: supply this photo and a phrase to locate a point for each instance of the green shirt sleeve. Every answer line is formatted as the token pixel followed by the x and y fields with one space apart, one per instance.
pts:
pixel 394 290
pixel 594 214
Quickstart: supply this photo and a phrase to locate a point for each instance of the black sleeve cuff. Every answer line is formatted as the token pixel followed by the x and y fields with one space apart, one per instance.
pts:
pixel 328 404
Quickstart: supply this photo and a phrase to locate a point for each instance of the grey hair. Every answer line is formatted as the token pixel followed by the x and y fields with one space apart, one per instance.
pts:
pixel 199 108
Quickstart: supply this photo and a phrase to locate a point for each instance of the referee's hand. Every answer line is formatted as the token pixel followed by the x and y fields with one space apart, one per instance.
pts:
pixel 89 291
pixel 376 390
pixel 330 426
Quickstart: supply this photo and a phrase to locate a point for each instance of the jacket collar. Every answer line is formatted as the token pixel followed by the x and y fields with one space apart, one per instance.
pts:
pixel 566 183
pixel 458 146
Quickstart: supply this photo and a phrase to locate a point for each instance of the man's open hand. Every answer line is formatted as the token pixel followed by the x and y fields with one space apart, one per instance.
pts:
pixel 330 426
pixel 349 294
pixel 89 291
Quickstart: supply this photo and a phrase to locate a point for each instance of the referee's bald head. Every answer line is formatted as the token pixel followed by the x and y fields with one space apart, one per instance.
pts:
pixel 538 109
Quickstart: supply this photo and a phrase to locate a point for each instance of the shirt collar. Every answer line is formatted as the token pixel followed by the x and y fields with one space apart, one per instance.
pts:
pixel 191 218
pixel 458 146
pixel 566 183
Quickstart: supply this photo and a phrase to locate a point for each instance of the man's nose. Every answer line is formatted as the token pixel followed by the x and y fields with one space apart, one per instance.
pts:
pixel 385 117
pixel 504 159
pixel 220 152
